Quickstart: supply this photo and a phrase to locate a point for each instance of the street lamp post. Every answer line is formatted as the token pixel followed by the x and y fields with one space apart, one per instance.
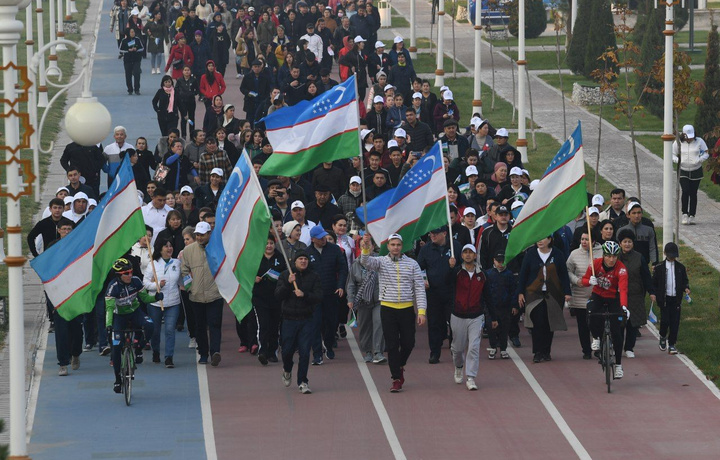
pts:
pixel 53 69
pixel 60 25
pixel 42 100
pixel 521 63
pixel 477 88
pixel 413 44
pixel 440 72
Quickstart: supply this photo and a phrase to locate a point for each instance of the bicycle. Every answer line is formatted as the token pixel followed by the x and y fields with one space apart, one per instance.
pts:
pixel 607 353
pixel 127 363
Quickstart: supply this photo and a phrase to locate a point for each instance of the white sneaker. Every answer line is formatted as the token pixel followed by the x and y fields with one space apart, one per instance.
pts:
pixel 618 371
pixel 691 220
pixel 458 375
pixel 286 376
pixel 304 388
pixel 595 345
pixel 504 355
pixel 684 219
pixel 239 76
pixel 470 384
pixel 492 353
pixel 192 344
pixel 629 354
pixel 63 372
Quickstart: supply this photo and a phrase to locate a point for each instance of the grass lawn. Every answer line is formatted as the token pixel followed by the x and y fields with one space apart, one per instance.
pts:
pixel 513 41
pixel 697 56
pixel 541 60
pixel 398 20
pixel 462 89
pixel 423 42
pixel 426 63
pixel 700 36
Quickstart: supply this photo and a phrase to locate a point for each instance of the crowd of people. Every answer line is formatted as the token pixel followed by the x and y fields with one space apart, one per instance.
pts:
pixel 319 266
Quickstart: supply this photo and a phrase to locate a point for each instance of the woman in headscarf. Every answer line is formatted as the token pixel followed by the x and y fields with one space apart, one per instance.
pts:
pixel 212 84
pixel 214 115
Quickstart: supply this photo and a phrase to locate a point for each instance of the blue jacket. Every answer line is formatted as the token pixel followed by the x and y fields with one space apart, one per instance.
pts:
pixel 500 293
pixel 434 260
pixel 330 265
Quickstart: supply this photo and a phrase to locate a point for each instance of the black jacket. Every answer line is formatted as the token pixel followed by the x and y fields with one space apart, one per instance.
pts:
pixel 434 260
pixel 204 197
pixel 264 291
pixel 355 59
pixel 299 308
pixel 46 227
pixel 330 265
pixel 89 160
pixel 161 101
pixel 659 280
pixel 186 90
pixel 259 85
pixel 421 136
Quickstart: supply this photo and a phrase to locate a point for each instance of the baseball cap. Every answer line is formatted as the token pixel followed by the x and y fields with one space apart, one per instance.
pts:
pixel 593 210
pixel 359 39
pixel 598 200
pixel 69 199
pixel 388 86
pixel 395 236
pixel 186 189
pixel 217 171
pixel 288 227
pixel 202 228
pixel 318 232
pixel 392 143
pixel 322 188
pixel 439 229
pixel 92 202
pixel 444 88
pixel 534 184
pixel 398 39
pixel 450 122
pixel 689 131
pixel 502 210
pixel 378 99
pixel 671 250
pixel 417 96
pixel 471 170
pixel 297 204
pixel 400 133
pixel 364 133
pixel 61 189
pixel 502 132
pixel 355 180
pixel 500 256
pixel 469 210
pixel 379 44
pixel 515 171
pixel 475 122
pixel 470 247
pixel 448 95
pixel 516 204
pixel 633 204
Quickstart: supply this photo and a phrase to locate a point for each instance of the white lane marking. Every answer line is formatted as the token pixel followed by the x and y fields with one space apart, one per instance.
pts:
pixel 690 365
pixel 550 407
pixel 207 422
pixel 36 377
pixel 387 425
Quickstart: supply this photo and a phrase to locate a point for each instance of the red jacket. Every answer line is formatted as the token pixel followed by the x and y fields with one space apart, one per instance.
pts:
pixel 210 91
pixel 468 292
pixel 610 282
pixel 183 53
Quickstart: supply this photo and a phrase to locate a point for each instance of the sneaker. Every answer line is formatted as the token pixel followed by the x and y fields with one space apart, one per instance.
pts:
pixel 87 347
pixel 169 362
pixel 663 343
pixel 156 357
pixel 379 358
pixel 587 356
pixel 691 220
pixel 263 359
pixel 595 345
pixel 629 354
pixel 215 359
pixel 492 353
pixel 470 384
pixel 243 349
pixel 138 358
pixel 504 354
pixel 537 357
pixel 272 358
pixel 180 328
pixel 547 357
pixel 402 376
pixel 434 359
pixel 105 350
pixel 618 371
pixel 147 347
pixel 368 357
pixel 62 372
pixel 254 349
pixel 515 341
pixel 304 389
pixel 238 76
pixel 684 219
pixel 202 360
pixel 117 387
pixel 317 362
pixel 330 353
pixel 458 375
pixel 137 93
pixel 51 328
pixel 342 331
pixel 672 350
pixel 396 386
pixel 192 343
pixel 286 376
pixel 75 362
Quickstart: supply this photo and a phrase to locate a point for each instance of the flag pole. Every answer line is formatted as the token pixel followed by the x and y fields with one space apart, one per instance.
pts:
pixel 267 210
pixel 362 160
pixel 590 241
pixel 157 283
pixel 447 209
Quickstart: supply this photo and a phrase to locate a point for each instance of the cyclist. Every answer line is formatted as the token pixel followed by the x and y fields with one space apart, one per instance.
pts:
pixel 122 308
pixel 609 293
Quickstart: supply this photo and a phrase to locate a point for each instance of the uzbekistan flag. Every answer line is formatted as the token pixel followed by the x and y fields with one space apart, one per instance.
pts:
pixel 74 269
pixel 417 205
pixel 312 132
pixel 559 197
pixel 237 245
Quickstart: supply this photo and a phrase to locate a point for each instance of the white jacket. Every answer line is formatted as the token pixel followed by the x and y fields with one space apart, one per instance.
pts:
pixel 170 272
pixel 315 44
pixel 692 154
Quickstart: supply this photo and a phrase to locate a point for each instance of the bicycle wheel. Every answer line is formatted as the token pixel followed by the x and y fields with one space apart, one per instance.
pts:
pixel 607 359
pixel 127 374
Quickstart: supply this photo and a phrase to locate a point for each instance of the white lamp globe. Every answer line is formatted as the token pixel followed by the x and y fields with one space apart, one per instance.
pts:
pixel 87 122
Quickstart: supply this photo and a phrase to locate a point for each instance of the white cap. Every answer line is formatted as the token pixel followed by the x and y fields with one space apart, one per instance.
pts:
pixel 398 39
pixel 92 202
pixel 517 204
pixel 355 180
pixel 288 227
pixel 632 205
pixel 217 171
pixel 515 171
pixel 502 132
pixel 689 131
pixel 135 12
pixel 364 133
pixel 448 95
pixel 444 88
pixel 359 39
pixel 392 143
pixel 598 200
pixel 252 8
pixel 388 86
pixel 61 189
pixel 593 210
pixel 68 199
pixel 470 170
pixel 379 44
pixel 202 228
pixel 80 196
pixel 417 95
pixel 475 122
pixel 470 247
pixel 395 236
pixel 469 210
pixel 526 172
pixel 186 188
pixel 534 184
pixel 379 99
pixel 400 133
pixel 297 204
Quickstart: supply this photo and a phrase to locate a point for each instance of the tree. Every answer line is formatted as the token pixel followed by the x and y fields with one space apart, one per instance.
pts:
pixel 649 32
pixel 708 114
pixel 576 52
pixel 593 36
pixel 535 18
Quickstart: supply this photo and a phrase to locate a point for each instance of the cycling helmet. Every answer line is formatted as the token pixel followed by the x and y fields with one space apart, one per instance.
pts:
pixel 610 248
pixel 121 266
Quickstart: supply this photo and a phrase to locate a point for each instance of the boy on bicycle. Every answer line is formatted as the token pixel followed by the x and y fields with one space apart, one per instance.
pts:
pixel 122 312
pixel 610 293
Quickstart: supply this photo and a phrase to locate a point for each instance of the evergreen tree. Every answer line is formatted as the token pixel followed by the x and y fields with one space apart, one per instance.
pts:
pixel 706 118
pixel 651 49
pixel 601 36
pixel 535 18
pixel 576 52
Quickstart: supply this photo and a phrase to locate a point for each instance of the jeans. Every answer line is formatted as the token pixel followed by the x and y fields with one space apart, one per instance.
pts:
pixel 134 320
pixel 399 330
pixel 467 334
pixel 132 76
pixel 157 60
pixel 297 335
pixel 170 315
pixel 370 329
pixel 68 338
pixel 689 195
pixel 208 316
pixel 670 319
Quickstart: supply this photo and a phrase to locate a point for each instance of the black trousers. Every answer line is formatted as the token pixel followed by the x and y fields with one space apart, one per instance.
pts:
pixel 583 329
pixel 166 122
pixel 499 336
pixel 187 313
pixel 689 195
pixel 670 319
pixel 542 336
pixel 630 336
pixel 438 309
pixel 599 304
pixel 398 326
pixel 247 329
pixel 187 115
pixel 268 329
pixel 132 75
pixel 68 338
pixel 208 318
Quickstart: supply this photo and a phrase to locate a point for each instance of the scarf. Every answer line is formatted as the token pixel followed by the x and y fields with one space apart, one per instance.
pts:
pixel 171 103
pixel 367 287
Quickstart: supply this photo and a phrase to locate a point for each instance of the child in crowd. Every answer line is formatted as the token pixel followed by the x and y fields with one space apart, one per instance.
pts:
pixel 671 282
